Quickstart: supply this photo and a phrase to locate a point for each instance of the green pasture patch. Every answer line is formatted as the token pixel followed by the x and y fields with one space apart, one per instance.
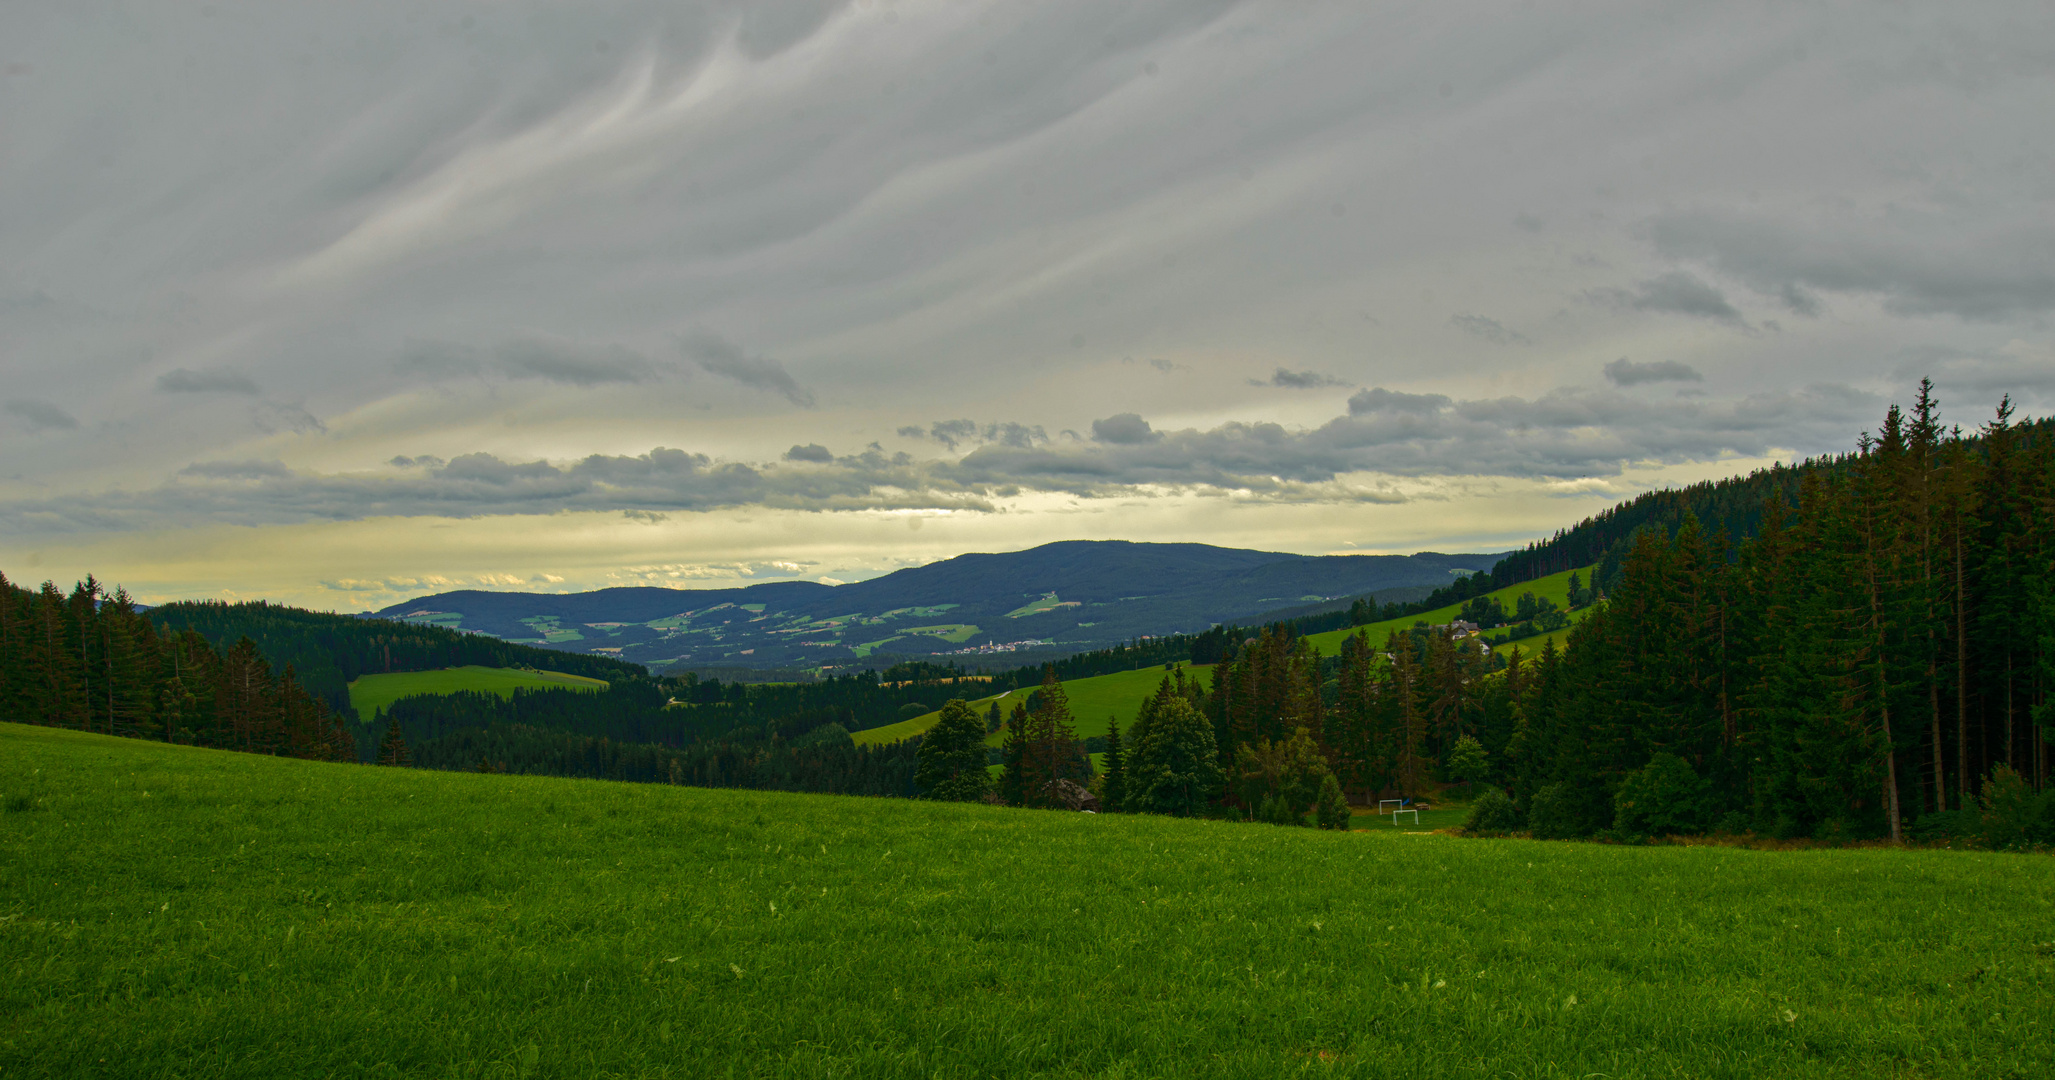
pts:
pixel 1554 587
pixel 551 630
pixel 1046 603
pixel 908 728
pixel 1118 695
pixel 372 693
pixel 1092 700
pixel 865 650
pixel 1442 815
pixel 172 911
pixel 954 633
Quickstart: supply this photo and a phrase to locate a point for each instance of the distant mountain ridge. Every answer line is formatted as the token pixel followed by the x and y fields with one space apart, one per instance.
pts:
pixel 1075 594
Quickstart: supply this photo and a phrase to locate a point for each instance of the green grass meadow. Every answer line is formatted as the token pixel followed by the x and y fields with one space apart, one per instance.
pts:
pixel 1092 700
pixel 177 912
pixel 372 693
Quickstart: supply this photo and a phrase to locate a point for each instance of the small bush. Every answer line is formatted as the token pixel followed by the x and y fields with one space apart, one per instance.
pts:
pixel 1278 811
pixel 1557 812
pixel 1663 798
pixel 1331 809
pixel 1493 814
pixel 1943 825
pixel 2014 817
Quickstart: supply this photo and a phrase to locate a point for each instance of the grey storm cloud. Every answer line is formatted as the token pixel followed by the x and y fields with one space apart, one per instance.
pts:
pixel 39 416
pixel 537 359
pixel 1379 400
pixel 182 381
pixel 1489 329
pixel 955 433
pixel 236 470
pixel 1625 372
pixel 1674 293
pixel 1124 429
pixel 718 356
pixel 1299 380
pixel 1955 260
pixel 562 362
pixel 1568 433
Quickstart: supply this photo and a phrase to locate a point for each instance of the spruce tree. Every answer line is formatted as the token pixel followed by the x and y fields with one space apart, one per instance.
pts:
pixel 392 750
pixel 1050 749
pixel 1012 752
pixel 951 756
pixel 1176 768
pixel 1113 787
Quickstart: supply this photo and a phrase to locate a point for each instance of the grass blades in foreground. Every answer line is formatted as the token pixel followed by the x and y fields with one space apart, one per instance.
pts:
pixel 371 693
pixel 169 911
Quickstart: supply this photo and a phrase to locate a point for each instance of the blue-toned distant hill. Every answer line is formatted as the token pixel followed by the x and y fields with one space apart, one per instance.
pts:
pixel 1074 595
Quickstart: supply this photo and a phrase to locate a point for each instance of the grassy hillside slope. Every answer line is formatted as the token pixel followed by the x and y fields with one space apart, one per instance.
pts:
pixel 369 693
pixel 1092 700
pixel 172 911
pixel 1554 587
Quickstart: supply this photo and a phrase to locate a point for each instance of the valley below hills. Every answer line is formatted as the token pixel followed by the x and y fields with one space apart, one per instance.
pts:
pixel 1058 598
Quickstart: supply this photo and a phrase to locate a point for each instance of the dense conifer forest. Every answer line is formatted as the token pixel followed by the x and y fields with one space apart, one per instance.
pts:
pixel 328 650
pixel 90 661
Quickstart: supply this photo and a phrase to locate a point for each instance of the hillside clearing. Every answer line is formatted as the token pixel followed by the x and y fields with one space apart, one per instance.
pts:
pixel 174 911
pixel 370 694
pixel 1092 700
pixel 1555 587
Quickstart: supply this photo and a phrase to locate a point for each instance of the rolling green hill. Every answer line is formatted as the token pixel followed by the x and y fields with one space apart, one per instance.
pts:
pixel 370 694
pixel 1091 701
pixel 1554 587
pixel 172 911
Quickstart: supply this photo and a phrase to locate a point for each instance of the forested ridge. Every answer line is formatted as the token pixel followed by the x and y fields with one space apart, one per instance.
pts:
pixel 328 651
pixel 90 661
pixel 1877 653
pixel 1732 507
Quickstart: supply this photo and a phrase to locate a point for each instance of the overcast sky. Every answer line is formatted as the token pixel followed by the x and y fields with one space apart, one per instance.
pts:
pixel 343 303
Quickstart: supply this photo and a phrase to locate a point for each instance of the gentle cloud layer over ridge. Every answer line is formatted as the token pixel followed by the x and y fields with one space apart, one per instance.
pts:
pixel 257 252
pixel 1569 434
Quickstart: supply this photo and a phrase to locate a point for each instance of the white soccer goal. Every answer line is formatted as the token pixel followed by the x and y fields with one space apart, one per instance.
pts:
pixel 1395 816
pixel 1382 803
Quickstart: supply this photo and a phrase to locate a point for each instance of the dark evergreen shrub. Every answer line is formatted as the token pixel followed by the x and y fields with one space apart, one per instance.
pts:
pixel 1664 798
pixel 1493 814
pixel 2014 817
pixel 1556 812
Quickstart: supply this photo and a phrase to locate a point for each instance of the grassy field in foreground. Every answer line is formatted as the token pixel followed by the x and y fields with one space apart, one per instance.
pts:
pixel 370 693
pixel 170 911
pixel 1092 700
pixel 1554 587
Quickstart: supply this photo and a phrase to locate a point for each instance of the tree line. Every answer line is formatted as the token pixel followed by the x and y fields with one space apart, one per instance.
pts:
pixel 1874 656
pixel 90 661
pixel 329 651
